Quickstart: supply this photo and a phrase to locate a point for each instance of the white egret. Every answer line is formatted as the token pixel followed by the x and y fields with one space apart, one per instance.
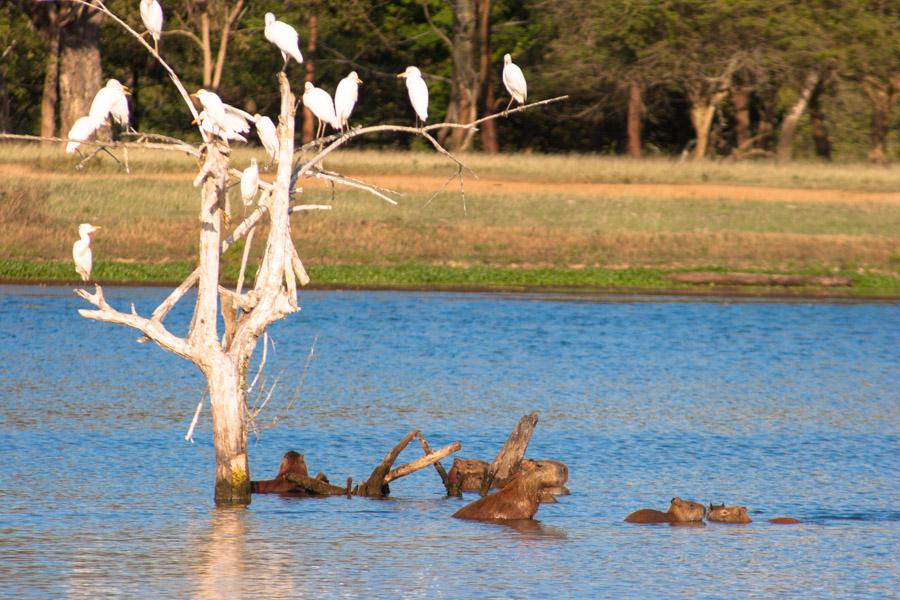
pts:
pixel 345 98
pixel 225 133
pixel 250 183
pixel 514 81
pixel 319 102
pixel 152 16
pixel 285 38
pixel 268 135
pixel 81 250
pixel 418 92
pixel 111 101
pixel 81 131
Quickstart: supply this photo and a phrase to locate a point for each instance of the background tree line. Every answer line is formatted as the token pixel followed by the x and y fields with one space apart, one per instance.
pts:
pixel 737 78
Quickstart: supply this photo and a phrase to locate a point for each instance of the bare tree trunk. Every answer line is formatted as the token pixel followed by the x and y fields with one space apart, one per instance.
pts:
pixel 79 75
pixel 230 19
pixel 229 432
pixel 740 97
pixel 309 61
pixel 465 76
pixel 50 94
pixel 820 133
pixel 789 125
pixel 701 118
pixel 206 43
pixel 635 112
pixel 882 95
pixel 489 143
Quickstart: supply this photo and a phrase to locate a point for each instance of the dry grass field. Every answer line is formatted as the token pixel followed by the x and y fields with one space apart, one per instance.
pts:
pixel 520 212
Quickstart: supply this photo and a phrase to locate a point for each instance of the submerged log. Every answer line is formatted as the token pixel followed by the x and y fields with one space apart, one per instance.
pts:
pixel 510 456
pixel 315 486
pixel 437 465
pixel 736 278
pixel 376 486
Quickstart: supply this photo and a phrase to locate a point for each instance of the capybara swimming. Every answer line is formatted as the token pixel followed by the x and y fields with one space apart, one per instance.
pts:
pixel 519 498
pixel 292 462
pixel 728 514
pixel 680 511
pixel 469 473
pixel 784 521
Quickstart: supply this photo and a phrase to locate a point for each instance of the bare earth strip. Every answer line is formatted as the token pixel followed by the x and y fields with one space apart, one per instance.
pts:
pixel 430 184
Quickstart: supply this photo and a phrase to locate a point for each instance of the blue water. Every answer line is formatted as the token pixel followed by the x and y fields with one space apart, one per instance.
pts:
pixel 792 409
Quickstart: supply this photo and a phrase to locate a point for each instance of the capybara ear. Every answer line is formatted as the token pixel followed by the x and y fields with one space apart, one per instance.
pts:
pixel 676 500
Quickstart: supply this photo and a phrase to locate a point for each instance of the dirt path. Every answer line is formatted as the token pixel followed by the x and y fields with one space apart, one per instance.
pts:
pixel 430 184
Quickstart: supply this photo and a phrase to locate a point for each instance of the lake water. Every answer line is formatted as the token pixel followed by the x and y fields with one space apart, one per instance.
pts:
pixel 792 409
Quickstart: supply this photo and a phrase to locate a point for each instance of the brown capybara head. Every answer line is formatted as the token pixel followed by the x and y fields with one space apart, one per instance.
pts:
pixel 559 470
pixel 728 514
pixel 685 511
pixel 543 473
pixel 292 462
pixel 468 473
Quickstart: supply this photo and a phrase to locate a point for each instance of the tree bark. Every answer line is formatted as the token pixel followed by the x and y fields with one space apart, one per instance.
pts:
pixel 50 94
pixel 309 61
pixel 464 93
pixel 789 125
pixel 489 143
pixel 229 432
pixel 206 44
pixel 79 64
pixel 635 112
pixel 821 135
pixel 882 95
pixel 702 114
pixel 510 455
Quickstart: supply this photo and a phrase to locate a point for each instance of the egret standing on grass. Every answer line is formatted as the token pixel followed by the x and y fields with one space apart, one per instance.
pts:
pixel 345 98
pixel 418 92
pixel 268 135
pixel 81 131
pixel 111 101
pixel 285 38
pixel 319 102
pixel 514 81
pixel 81 251
pixel 250 183
pixel 152 16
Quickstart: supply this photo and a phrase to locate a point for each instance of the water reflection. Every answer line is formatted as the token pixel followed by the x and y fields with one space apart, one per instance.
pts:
pixel 219 569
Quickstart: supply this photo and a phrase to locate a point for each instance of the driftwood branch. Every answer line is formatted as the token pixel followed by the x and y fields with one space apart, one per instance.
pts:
pixel 316 487
pixel 376 486
pixel 510 455
pixel 437 465
pixel 421 463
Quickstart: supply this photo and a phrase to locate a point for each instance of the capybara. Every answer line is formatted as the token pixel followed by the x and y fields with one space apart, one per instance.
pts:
pixel 469 473
pixel 784 521
pixel 728 514
pixel 519 498
pixel 292 462
pixel 680 511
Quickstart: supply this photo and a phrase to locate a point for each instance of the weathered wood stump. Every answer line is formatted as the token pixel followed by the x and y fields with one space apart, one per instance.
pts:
pixel 510 456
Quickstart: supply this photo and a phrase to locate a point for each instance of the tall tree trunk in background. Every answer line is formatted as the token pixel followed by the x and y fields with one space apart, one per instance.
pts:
pixel 705 95
pixel 740 98
pixel 465 88
pixel 309 61
pixel 789 125
pixel 50 94
pixel 489 143
pixel 206 42
pixel 820 133
pixel 635 112
pixel 882 95
pixel 79 66
pixel 230 18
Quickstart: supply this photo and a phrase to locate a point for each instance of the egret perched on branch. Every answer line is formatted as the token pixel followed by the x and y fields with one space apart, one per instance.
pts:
pixel 418 92
pixel 81 131
pixel 212 106
pixel 81 250
pixel 152 16
pixel 222 119
pixel 207 125
pixel 250 183
pixel 319 102
pixel 111 101
pixel 285 38
pixel 514 81
pixel 268 135
pixel 345 98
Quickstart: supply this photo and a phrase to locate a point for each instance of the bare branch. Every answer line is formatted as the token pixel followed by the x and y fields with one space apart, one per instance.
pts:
pixel 176 147
pixel 354 183
pixel 184 33
pixel 441 35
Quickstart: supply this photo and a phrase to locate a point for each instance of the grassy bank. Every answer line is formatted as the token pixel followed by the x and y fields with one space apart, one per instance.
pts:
pixel 525 221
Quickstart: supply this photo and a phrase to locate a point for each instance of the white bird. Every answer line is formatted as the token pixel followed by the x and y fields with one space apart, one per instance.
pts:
pixel 226 133
pixel 111 101
pixel 514 81
pixel 345 97
pixel 152 16
pixel 81 131
pixel 250 183
pixel 285 38
pixel 268 135
pixel 418 92
pixel 319 102
pixel 81 250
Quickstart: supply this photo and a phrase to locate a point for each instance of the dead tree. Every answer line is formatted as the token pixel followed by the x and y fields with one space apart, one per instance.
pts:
pixel 225 361
pixel 510 456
